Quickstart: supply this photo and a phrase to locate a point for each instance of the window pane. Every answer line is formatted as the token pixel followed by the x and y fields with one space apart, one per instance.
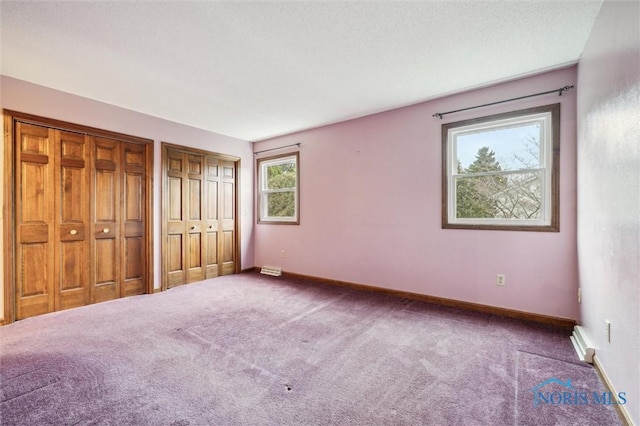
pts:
pixel 512 196
pixel 281 204
pixel 278 189
pixel 281 176
pixel 504 148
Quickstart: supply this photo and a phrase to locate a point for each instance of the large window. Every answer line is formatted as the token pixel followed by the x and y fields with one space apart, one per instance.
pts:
pixel 278 198
pixel 501 171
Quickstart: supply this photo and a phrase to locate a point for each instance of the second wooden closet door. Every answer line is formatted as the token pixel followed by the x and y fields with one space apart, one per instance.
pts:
pixel 199 217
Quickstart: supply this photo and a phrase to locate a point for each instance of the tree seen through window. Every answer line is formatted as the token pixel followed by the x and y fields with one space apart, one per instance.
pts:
pixel 281 177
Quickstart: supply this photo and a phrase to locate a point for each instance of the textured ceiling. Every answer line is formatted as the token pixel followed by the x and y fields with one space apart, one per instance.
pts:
pixel 258 69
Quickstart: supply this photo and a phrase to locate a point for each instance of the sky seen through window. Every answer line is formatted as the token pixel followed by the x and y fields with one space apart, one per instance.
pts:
pixel 508 143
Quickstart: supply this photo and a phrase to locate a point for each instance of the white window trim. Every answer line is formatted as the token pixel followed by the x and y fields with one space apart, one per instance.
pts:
pixel 513 119
pixel 263 192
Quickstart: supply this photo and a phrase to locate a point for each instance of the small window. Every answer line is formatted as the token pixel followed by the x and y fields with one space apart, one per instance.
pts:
pixel 501 171
pixel 278 198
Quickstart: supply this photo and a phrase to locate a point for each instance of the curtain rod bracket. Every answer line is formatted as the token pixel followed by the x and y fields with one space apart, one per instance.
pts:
pixel 564 89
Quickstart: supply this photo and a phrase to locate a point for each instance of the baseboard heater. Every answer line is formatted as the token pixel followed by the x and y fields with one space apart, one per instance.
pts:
pixel 582 344
pixel 271 270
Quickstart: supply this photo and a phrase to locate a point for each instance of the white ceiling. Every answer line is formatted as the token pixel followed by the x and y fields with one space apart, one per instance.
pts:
pixel 258 69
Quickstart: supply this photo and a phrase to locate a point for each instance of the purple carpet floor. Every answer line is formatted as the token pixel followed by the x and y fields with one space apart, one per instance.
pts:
pixel 254 350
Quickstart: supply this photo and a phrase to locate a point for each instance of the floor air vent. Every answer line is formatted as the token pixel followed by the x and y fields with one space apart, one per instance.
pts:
pixel 582 344
pixel 271 270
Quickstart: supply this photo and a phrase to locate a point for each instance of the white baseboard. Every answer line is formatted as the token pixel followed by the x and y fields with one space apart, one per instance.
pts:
pixel 582 344
pixel 622 410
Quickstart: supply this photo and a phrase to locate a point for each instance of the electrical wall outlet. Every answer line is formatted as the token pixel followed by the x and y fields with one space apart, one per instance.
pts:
pixel 579 295
pixel 607 330
pixel 283 253
pixel 501 279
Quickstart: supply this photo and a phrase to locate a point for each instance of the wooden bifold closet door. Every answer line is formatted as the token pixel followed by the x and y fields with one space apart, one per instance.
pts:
pixel 118 221
pixel 199 215
pixel 80 218
pixel 52 217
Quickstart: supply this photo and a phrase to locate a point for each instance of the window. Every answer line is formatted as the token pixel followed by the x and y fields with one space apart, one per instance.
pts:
pixel 278 198
pixel 501 171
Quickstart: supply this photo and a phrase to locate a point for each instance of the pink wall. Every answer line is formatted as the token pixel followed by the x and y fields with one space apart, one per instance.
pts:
pixel 609 193
pixel 25 97
pixel 371 210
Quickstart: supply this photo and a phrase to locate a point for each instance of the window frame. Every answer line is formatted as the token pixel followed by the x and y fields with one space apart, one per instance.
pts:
pixel 551 176
pixel 261 166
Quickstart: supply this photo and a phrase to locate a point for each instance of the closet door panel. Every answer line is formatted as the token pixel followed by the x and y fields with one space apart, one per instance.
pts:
pixel 134 254
pixel 211 193
pixel 194 233
pixel 35 239
pixel 72 181
pixel 175 265
pixel 73 272
pixel 35 280
pixel 227 209
pixel 194 254
pixel 133 268
pixel 106 232
pixel 212 254
pixel 175 208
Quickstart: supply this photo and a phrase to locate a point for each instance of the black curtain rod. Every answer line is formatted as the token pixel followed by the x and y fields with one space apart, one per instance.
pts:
pixel 280 147
pixel 559 91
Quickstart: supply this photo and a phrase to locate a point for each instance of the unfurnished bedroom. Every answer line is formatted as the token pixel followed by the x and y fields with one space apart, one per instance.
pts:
pixel 320 213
